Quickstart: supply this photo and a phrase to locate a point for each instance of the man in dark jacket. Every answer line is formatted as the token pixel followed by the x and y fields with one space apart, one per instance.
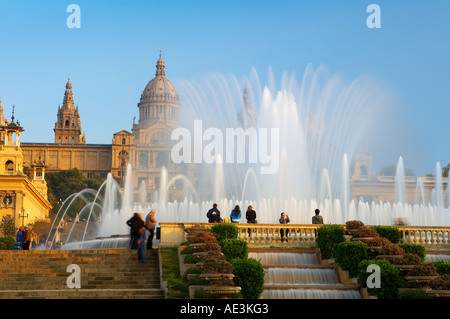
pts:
pixel 250 215
pixel 213 215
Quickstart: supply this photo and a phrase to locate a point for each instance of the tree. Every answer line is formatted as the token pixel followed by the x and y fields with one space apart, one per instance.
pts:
pixel 391 170
pixel 7 226
pixel 445 170
pixel 65 183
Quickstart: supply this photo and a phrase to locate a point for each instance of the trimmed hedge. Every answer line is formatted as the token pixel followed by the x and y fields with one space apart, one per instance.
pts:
pixel 390 279
pixel 443 267
pixel 249 275
pixel 234 248
pixel 225 231
pixel 417 249
pixel 328 237
pixel 391 233
pixel 350 254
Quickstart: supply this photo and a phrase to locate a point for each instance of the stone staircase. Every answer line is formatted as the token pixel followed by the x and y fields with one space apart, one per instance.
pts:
pixel 104 274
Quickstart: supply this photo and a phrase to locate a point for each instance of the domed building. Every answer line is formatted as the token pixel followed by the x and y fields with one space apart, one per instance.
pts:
pixel 148 147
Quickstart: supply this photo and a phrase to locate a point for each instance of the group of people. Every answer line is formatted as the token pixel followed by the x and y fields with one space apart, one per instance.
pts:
pixel 23 238
pixel 213 216
pixel 141 233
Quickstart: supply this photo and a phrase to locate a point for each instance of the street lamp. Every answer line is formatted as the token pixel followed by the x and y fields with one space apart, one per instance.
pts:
pixel 23 215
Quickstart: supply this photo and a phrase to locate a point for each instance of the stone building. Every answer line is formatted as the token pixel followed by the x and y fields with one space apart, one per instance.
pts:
pixel 146 147
pixel 21 197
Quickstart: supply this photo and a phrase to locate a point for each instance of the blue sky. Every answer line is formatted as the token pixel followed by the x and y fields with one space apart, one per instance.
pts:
pixel 112 57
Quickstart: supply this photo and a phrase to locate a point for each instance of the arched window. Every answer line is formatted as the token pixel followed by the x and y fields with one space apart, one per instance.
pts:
pixel 67 123
pixel 9 167
pixel 363 171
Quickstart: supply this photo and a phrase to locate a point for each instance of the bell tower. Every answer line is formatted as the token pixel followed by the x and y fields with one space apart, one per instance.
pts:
pixel 68 126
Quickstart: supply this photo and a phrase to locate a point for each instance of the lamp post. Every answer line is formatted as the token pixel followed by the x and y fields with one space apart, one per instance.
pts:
pixel 23 215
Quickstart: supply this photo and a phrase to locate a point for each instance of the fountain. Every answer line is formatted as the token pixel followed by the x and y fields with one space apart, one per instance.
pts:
pixel 322 123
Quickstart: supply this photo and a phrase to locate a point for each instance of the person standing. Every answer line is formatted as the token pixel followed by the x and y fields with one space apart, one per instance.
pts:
pixel 142 243
pixel 250 215
pixel 235 215
pixel 135 224
pixel 150 225
pixel 213 215
pixel 19 238
pixel 26 238
pixel 284 220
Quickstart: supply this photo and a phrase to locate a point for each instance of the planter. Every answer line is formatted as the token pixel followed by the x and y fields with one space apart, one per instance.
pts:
pixel 420 279
pixel 222 291
pixel 438 294
pixel 218 278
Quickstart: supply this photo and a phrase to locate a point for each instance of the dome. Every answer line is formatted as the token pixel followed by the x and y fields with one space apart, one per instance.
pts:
pixel 160 89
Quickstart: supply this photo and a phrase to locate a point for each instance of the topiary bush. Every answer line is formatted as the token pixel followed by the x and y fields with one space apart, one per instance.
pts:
pixel 234 248
pixel 354 224
pixel 427 269
pixel 408 259
pixel 391 249
pixel 443 267
pixel 249 275
pixel 328 237
pixel 391 233
pixel 440 283
pixel 350 254
pixel 225 231
pixel 417 249
pixel 390 279
pixel 365 231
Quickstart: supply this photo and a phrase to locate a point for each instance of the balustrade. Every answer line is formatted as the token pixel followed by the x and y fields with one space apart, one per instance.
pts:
pixel 293 235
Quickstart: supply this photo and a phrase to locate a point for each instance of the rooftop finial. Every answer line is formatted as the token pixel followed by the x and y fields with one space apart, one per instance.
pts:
pixel 160 66
pixel 12 117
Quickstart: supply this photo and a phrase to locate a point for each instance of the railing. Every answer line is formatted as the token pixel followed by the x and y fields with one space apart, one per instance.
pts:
pixel 270 234
pixel 293 235
pixel 428 236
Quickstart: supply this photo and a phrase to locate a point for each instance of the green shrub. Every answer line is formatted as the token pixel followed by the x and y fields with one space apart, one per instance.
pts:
pixel 390 279
pixel 413 294
pixel 417 249
pixel 350 254
pixel 249 275
pixel 7 243
pixel 234 248
pixel 191 259
pixel 192 270
pixel 391 233
pixel 328 237
pixel 443 267
pixel 225 231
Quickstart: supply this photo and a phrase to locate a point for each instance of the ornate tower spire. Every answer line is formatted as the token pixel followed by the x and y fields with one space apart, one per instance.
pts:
pixel 68 96
pixel 160 66
pixel 68 126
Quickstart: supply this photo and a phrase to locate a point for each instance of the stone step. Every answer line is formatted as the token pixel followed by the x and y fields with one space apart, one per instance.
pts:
pixel 104 274
pixel 83 294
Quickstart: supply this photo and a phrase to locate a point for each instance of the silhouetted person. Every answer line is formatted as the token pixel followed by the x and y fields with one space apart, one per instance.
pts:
pixel 135 224
pixel 213 215
pixel 284 219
